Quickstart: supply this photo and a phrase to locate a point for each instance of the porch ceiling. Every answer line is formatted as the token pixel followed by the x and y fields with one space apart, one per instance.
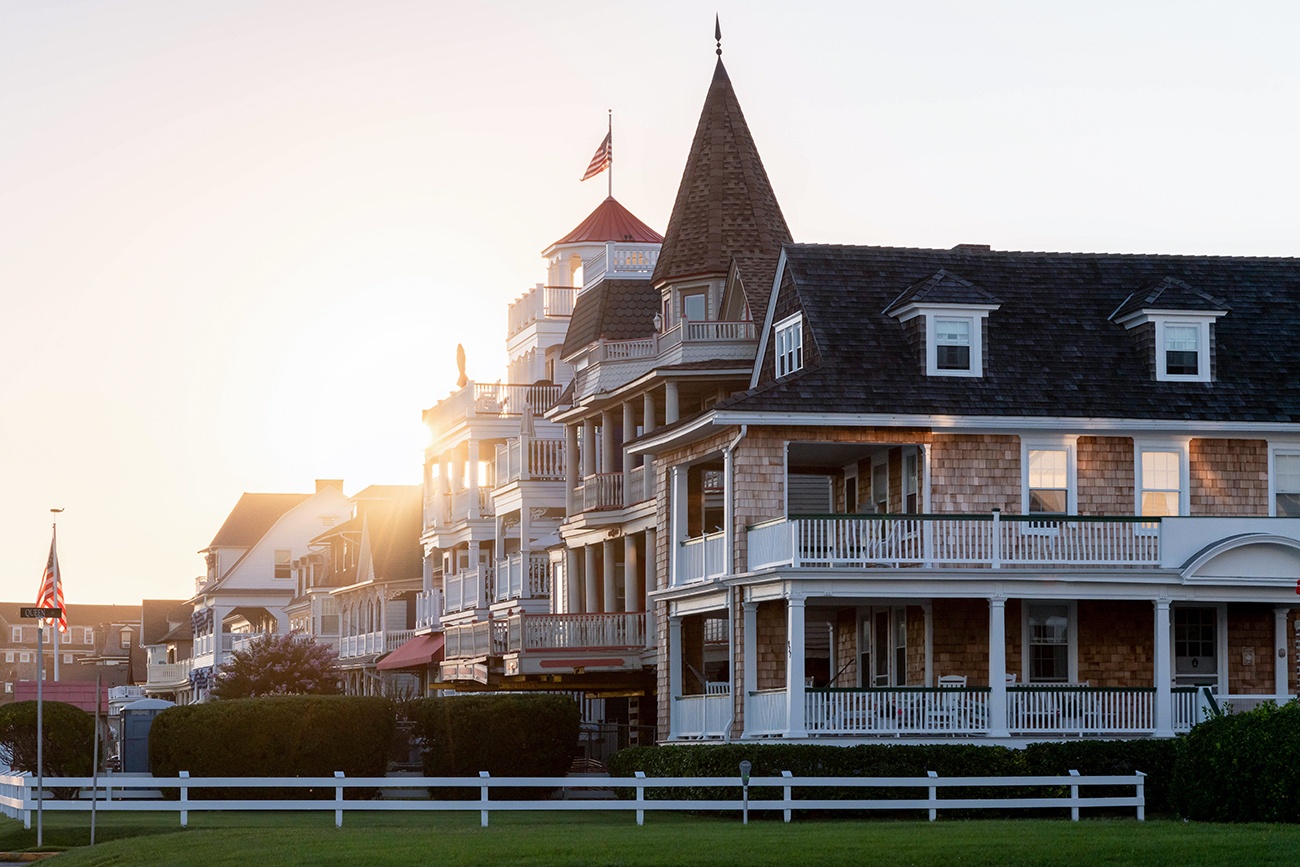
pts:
pixel 830 454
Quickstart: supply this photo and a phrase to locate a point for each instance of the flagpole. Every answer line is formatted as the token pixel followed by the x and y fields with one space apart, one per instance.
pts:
pixel 611 153
pixel 55 632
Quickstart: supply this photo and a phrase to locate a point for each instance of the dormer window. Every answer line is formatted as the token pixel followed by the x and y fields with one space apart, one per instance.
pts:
pixel 948 315
pixel 789 345
pixel 952 344
pixel 1176 322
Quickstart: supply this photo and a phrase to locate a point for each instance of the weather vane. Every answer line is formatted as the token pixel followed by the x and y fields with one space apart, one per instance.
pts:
pixel 717 32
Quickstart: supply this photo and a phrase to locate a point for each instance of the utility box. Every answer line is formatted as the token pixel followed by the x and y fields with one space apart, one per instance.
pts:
pixel 137 719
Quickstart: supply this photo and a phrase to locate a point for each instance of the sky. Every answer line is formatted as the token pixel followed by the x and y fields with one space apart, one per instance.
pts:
pixel 239 241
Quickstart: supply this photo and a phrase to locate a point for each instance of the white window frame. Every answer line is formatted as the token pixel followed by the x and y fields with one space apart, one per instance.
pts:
pixel 787 343
pixel 932 324
pixel 1202 327
pixel 1221 640
pixel 67 658
pixel 1180 447
pixel 25 656
pixel 288 563
pixel 1288 450
pixel 9 656
pixel 16 634
pixel 1067 444
pixel 880 465
pixel 1071 639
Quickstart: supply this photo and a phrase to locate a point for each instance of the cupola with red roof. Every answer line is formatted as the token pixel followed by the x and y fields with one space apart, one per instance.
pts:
pixel 609 241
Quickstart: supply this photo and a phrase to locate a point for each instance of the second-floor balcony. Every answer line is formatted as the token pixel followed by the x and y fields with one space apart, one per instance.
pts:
pixel 685 332
pixel 470 641
pixel 528 459
pixel 538 303
pixel 522 576
pixel 168 675
pixel 620 261
pixel 611 630
pixel 368 643
pixel 467 589
pixel 599 491
pixel 428 609
pixel 491 399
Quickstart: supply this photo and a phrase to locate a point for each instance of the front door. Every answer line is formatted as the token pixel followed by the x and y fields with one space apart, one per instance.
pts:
pixel 1196 643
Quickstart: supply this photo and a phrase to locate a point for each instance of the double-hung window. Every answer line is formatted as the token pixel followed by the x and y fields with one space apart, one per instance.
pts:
pixel 952 344
pixel 788 343
pixel 1049 642
pixel 1048 483
pixel 283 563
pixel 1160 482
pixel 1286 484
pixel 1182 350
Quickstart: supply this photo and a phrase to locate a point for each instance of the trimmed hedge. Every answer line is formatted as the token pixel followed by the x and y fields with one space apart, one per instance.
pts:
pixel 69 738
pixel 505 735
pixel 899 760
pixel 1242 767
pixel 279 736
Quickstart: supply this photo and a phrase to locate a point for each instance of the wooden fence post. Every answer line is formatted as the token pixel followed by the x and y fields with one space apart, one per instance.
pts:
pixel 185 799
pixel 1141 795
pixel 483 797
pixel 934 796
pixel 640 798
pixel 338 800
pixel 787 799
pixel 1074 798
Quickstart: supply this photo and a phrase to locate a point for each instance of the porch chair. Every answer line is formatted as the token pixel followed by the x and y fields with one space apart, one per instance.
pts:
pixel 944 713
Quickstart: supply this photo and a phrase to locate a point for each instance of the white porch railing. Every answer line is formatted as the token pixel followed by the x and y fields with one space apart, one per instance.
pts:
pixel 766 712
pixel 492 398
pixel 540 460
pixel 460 502
pixel 701 716
pixel 522 576
pixel 993 540
pixel 601 491
pixel 540 302
pixel 467 589
pixel 367 643
pixel 944 710
pixel 636 491
pixel 577 631
pixel 468 641
pixel 700 558
pixel 428 609
pixel 710 330
pixel 168 674
pixel 620 259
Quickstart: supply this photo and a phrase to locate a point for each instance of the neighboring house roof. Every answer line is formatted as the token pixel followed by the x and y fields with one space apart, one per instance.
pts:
pixel 614 310
pixel 1053 348
pixel 391 517
pixel 611 222
pixel 159 616
pixel 252 517
pixel 725 205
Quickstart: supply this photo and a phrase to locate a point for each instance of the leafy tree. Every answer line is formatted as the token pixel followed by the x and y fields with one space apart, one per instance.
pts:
pixel 69 736
pixel 279 665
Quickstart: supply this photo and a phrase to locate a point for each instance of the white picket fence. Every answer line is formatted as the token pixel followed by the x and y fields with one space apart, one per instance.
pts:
pixel 18 794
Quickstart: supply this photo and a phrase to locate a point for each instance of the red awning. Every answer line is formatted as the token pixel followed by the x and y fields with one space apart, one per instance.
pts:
pixel 420 651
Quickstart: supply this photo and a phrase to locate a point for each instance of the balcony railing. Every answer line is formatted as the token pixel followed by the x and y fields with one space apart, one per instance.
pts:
pixel 613 630
pixel 522 576
pixel 470 641
pixel 993 540
pixel 701 716
pixel 459 503
pixel 168 674
pixel 428 609
pixel 467 589
pixel 530 459
pixel 367 643
pixel 600 491
pixel 620 260
pixel 540 302
pixel 686 331
pixel 700 558
pixel 492 399
pixel 636 490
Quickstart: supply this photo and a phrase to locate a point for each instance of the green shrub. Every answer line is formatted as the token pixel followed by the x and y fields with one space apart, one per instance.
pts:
pixel 1153 757
pixel 280 736
pixel 505 735
pixel 1241 767
pixel 69 738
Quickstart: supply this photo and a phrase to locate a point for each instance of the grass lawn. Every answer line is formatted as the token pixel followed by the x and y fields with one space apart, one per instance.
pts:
pixel 239 839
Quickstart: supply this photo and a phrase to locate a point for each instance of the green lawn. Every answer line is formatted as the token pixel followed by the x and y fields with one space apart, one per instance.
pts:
pixel 239 839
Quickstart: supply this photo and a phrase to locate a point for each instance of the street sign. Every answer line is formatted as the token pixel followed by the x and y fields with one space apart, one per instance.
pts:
pixel 40 612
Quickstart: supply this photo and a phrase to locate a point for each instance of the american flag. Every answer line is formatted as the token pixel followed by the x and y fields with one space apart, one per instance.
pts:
pixel 51 592
pixel 603 158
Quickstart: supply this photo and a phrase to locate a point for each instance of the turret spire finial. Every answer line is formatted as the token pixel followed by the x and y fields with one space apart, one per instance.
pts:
pixel 717 32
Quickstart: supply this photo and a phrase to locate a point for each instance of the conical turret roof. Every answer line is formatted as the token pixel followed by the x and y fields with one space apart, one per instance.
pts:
pixel 611 222
pixel 725 207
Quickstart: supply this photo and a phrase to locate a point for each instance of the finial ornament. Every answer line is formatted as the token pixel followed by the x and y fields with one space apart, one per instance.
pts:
pixel 462 380
pixel 717 32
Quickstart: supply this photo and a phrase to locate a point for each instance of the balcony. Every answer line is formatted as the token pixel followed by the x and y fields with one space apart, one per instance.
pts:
pixel 541 302
pixel 369 643
pixel 428 609
pixel 522 576
pixel 599 491
pixel 701 716
pixel 700 558
pixel 469 641
pixel 491 399
pixel 709 332
pixel 168 675
pixel 528 459
pixel 612 631
pixel 620 261
pixel 467 589
pixel 451 509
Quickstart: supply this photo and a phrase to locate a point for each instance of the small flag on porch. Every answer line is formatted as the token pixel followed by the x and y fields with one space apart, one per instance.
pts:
pixel 603 157
pixel 51 592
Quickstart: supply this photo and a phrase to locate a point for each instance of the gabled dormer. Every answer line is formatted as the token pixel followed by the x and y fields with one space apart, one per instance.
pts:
pixel 1173 324
pixel 946 318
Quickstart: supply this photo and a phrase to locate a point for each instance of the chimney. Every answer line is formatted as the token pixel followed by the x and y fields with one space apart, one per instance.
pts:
pixel 326 484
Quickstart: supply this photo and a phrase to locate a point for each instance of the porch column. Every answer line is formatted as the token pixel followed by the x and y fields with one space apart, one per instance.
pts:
pixel 572 583
pixel 998 668
pixel 607 463
pixel 473 479
pixel 607 573
pixel 570 467
pixel 1164 673
pixel 1281 683
pixel 670 402
pixel 589 605
pixel 525 535
pixel 219 613
pixel 631 575
pixel 648 412
pixel 629 432
pixel 588 446
pixel 749 660
pixel 651 561
pixel 678 503
pixel 498 539
pixel 794 667
pixel 647 425
pixel 674 668
pixel 728 513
